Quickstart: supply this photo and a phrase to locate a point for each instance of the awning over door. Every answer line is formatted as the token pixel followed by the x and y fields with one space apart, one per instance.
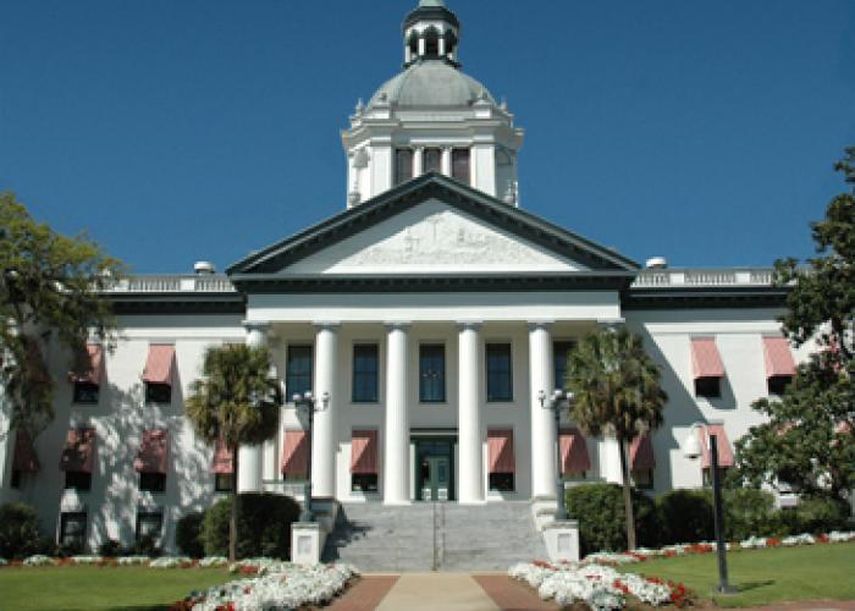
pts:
pixel 363 452
pixel 500 450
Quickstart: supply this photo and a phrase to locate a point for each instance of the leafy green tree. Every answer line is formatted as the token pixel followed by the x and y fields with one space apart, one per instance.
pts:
pixel 616 391
pixel 808 441
pixel 234 402
pixel 49 284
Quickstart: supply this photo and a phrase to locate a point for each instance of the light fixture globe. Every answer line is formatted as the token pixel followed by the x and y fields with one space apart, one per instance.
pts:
pixel 692 445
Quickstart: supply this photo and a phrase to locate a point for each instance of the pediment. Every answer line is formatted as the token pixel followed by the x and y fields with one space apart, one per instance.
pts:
pixel 432 238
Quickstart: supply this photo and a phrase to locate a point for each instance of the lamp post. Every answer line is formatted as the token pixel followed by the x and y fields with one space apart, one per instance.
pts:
pixel 308 404
pixel 554 402
pixel 692 449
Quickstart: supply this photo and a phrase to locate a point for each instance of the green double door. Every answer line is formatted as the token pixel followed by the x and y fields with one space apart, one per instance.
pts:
pixel 434 470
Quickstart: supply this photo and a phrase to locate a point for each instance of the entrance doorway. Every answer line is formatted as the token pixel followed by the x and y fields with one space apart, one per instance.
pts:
pixel 434 475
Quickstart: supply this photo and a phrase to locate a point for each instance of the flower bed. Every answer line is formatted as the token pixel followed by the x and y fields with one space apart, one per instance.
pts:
pixel 276 585
pixel 171 562
pixel 39 560
pixel 600 587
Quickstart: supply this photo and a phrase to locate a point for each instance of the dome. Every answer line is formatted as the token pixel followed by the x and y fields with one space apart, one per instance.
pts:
pixel 431 83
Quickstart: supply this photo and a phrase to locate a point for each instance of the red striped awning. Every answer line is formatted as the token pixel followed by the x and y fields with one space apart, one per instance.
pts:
pixel 706 361
pixel 79 451
pixel 725 452
pixel 25 459
pixel 574 451
pixel 363 452
pixel 94 372
pixel 152 455
pixel 641 453
pixel 500 451
pixel 160 365
pixel 222 463
pixel 779 358
pixel 295 453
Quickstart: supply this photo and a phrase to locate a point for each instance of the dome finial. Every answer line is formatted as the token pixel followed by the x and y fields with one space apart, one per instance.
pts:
pixel 439 3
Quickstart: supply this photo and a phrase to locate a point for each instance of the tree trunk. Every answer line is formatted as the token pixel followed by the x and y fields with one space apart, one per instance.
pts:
pixel 233 534
pixel 627 495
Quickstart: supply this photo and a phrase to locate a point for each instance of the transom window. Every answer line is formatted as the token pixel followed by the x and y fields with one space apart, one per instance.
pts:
pixel 499 373
pixel 365 373
pixel 298 371
pixel 432 373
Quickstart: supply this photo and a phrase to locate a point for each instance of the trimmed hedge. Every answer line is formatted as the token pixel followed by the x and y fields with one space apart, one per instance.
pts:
pixel 188 534
pixel 600 510
pixel 264 526
pixel 19 531
pixel 686 515
pixel 816 515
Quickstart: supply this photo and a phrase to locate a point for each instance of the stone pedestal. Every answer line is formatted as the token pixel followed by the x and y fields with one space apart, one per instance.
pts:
pixel 562 541
pixel 307 540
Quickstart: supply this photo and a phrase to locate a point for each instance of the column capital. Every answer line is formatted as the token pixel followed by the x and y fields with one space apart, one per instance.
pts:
pixel 262 326
pixel 613 324
pixel 397 324
pixel 469 324
pixel 540 324
pixel 326 324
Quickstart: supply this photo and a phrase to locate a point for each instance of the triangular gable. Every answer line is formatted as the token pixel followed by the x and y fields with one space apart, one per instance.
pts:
pixel 494 217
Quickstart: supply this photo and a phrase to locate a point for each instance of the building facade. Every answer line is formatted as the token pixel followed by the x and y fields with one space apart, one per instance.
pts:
pixel 428 319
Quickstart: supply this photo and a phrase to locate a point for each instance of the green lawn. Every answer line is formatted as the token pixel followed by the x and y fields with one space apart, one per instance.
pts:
pixel 73 588
pixel 764 576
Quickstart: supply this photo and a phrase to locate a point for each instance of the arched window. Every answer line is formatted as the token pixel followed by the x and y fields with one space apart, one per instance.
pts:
pixel 431 42
pixel 413 44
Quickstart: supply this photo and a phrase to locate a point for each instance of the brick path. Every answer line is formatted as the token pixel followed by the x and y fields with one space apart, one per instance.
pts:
pixel 809 605
pixel 365 594
pixel 512 595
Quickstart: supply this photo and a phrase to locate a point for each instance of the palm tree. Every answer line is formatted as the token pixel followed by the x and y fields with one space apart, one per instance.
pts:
pixel 234 403
pixel 616 390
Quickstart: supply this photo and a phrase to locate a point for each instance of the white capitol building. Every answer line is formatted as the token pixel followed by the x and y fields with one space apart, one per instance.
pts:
pixel 432 312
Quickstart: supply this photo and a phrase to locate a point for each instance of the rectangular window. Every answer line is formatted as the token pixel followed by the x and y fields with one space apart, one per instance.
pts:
pixel 432 160
pixel 778 384
pixel 460 165
pixel 365 373
pixel 72 529
pixel 298 373
pixel 502 482
pixel 708 387
pixel 403 165
pixel 643 479
pixel 560 350
pixel 158 393
pixel 149 525
pixel 363 482
pixel 432 373
pixel 153 482
pixel 16 479
pixel 78 480
pixel 499 374
pixel 224 482
pixel 85 392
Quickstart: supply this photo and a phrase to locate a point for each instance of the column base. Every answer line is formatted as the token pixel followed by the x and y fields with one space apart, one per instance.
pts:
pixel 307 542
pixel 562 541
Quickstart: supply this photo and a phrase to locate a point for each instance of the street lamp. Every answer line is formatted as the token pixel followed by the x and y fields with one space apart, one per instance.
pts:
pixel 554 402
pixel 308 404
pixel 692 449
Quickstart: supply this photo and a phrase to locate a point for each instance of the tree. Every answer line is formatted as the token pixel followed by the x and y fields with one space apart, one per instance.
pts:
pixel 808 442
pixel 616 390
pixel 234 403
pixel 50 284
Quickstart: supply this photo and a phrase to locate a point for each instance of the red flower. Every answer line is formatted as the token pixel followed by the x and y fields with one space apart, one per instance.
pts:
pixel 618 584
pixel 773 542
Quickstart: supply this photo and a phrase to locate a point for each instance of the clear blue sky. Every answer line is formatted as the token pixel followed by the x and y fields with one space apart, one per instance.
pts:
pixel 179 130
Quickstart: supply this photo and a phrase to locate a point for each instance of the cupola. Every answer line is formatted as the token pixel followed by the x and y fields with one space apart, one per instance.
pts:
pixel 431 31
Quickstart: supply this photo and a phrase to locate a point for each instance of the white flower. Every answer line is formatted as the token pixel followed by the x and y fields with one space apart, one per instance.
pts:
pixel 753 543
pixel 213 561
pixel 133 560
pixel 169 562
pixel 86 559
pixel 39 560
pixel 3 562
pixel 837 536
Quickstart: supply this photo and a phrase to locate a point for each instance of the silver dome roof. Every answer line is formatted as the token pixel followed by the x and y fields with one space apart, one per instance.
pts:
pixel 431 83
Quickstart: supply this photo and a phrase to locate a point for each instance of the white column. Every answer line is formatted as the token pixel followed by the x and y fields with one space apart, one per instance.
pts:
pixel 250 458
pixel 418 161
pixel 471 470
pixel 442 45
pixel 422 44
pixel 542 423
pixel 396 456
pixel 445 162
pixel 324 431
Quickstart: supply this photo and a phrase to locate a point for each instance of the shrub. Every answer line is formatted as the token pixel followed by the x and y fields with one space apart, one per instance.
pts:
pixel 749 512
pixel 686 516
pixel 19 531
pixel 816 515
pixel 264 526
pixel 188 534
pixel 110 548
pixel 602 523
pixel 146 546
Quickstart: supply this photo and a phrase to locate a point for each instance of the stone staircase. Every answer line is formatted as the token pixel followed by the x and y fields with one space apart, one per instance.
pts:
pixel 434 536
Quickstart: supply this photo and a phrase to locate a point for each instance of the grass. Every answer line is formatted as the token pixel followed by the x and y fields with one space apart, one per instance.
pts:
pixel 73 588
pixel 764 576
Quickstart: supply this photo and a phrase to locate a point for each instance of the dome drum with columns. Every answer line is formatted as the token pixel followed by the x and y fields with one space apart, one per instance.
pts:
pixel 432 117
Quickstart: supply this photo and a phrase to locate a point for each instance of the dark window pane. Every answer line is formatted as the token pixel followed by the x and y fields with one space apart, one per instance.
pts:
pixel 403 165
pixel 778 384
pixel 560 350
pixel 502 482
pixel 365 482
pixel 643 479
pixel 158 393
pixel 708 387
pixel 365 373
pixel 432 160
pixel 223 482
pixel 16 479
pixel 85 392
pixel 78 480
pixel 153 482
pixel 72 530
pixel 149 524
pixel 432 373
pixel 460 165
pixel 499 375
pixel 298 372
